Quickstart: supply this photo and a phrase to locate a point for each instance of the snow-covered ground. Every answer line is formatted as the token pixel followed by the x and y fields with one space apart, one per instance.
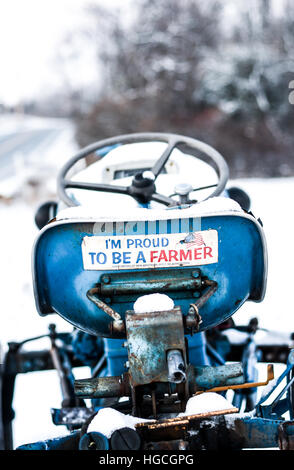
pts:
pixel 36 393
pixel 272 201
pixel 32 149
pixel 28 178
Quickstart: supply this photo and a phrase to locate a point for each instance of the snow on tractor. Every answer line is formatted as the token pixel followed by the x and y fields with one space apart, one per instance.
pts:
pixel 148 255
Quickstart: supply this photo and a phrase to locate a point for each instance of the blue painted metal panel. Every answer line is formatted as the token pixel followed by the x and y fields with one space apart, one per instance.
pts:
pixel 70 442
pixel 61 283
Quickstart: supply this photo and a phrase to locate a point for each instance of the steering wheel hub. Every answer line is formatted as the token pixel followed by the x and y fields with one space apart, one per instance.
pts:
pixel 142 188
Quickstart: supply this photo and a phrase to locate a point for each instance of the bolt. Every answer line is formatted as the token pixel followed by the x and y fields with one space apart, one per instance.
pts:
pixel 125 439
pixel 195 274
pixel 93 441
pixel 106 279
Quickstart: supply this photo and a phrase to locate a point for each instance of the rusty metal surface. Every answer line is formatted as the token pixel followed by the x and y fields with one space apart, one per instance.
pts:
pixel 212 288
pixel 270 376
pixel 220 430
pixel 103 387
pixel 147 282
pixel 179 444
pixel 286 435
pixel 164 423
pixel 251 432
pixel 150 336
pixel 210 378
pixel 175 428
pixel 193 319
pixel 92 295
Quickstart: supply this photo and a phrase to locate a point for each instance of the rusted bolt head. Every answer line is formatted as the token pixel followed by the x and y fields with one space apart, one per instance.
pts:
pixel 105 279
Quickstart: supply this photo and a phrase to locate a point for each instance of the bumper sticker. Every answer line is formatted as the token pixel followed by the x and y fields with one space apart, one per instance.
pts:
pixel 150 251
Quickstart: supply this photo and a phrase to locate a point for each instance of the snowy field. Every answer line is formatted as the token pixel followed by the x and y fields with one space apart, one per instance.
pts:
pixel 37 393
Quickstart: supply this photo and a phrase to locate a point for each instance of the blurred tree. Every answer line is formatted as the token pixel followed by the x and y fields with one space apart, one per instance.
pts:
pixel 180 67
pixel 151 67
pixel 249 81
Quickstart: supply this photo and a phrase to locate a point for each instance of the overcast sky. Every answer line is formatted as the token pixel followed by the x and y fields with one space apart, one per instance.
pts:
pixel 31 32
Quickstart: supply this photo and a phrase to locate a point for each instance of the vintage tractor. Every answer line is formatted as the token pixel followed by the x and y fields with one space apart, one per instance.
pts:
pixel 148 255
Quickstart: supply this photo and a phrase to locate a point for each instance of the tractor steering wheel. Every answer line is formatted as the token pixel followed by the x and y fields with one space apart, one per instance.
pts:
pixel 143 188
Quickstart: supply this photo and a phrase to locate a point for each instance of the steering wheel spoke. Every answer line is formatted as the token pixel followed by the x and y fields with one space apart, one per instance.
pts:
pixel 107 188
pixel 159 165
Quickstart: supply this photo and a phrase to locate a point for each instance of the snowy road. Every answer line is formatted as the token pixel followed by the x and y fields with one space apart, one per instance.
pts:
pixel 32 148
pixel 22 145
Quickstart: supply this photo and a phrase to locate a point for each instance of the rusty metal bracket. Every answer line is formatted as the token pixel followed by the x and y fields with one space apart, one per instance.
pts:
pixel 150 336
pixel 193 319
pixel 175 428
pixel 212 287
pixel 119 287
pixel 270 376
pixel 118 323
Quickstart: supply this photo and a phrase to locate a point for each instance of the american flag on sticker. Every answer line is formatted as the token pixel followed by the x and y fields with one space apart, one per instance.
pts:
pixel 194 239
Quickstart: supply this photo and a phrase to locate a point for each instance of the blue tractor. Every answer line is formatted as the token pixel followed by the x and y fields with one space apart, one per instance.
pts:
pixel 148 254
